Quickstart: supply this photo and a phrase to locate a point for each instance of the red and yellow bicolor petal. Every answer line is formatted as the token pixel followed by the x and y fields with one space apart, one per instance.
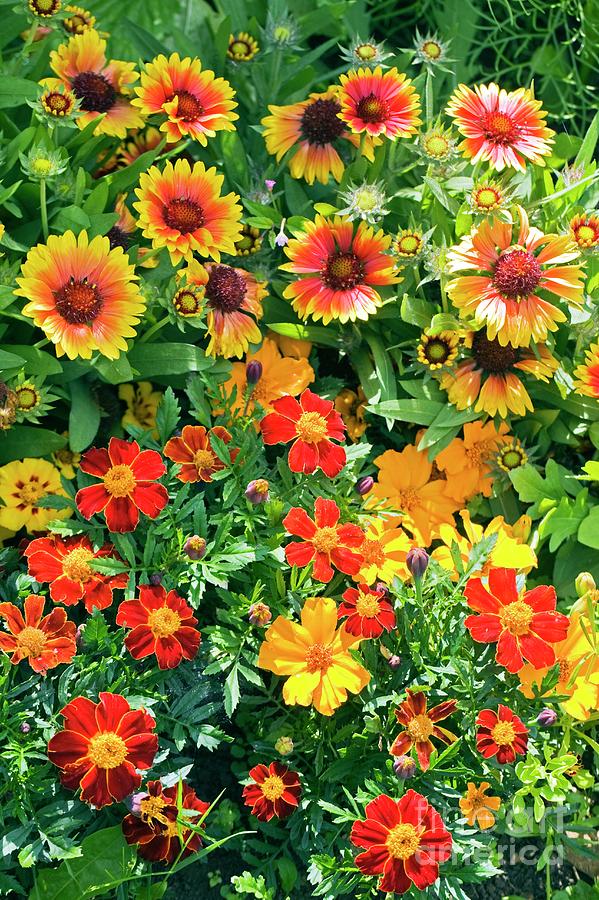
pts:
pixel 379 103
pixel 587 374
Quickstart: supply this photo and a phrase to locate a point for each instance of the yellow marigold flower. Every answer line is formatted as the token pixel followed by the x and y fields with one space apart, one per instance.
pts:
pixel 22 484
pixel 66 460
pixel 467 461
pixel 384 550
pixel 315 656
pixel 142 405
pixel 242 47
pixel 351 406
pixel 476 806
pixel 509 552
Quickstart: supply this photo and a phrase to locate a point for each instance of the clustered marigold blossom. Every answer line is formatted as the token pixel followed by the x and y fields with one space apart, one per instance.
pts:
pixel 384 552
pixel 44 641
pixel 379 103
pixel 22 483
pixel 510 550
pixel 404 842
pixel 162 624
pixel 501 734
pixel 420 724
pixel 586 375
pixel 102 747
pixel 524 624
pixel 368 612
pixel 159 829
pixel 477 807
pixel 64 563
pixel 466 461
pixel 273 792
pixel 312 423
pixel 325 542
pixel 195 454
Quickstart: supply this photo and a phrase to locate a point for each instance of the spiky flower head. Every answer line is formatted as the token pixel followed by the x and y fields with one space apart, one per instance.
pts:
pixel 487 197
pixel 437 146
pixel 41 164
pixel 364 201
pixel 242 47
pixel 365 53
pixel 43 9
pixel 33 400
pixel 56 105
pixel 281 33
pixel 431 51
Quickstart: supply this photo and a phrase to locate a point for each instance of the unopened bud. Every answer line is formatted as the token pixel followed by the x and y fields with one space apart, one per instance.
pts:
pixel 253 372
pixel 25 727
pixel 156 579
pixel 195 547
pixel 521 528
pixel 79 635
pixel 133 802
pixel 584 583
pixel 259 614
pixel 417 561
pixel 394 661
pixel 547 717
pixel 364 484
pixel 284 746
pixel 404 767
pixel 382 589
pixel 257 491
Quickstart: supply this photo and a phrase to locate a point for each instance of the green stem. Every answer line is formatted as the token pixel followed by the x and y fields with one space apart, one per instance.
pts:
pixel 152 331
pixel 41 343
pixel 428 97
pixel 44 209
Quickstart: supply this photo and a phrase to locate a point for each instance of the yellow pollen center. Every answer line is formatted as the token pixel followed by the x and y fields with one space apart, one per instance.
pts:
pixel 367 605
pixel 408 499
pixel 119 481
pixel 151 810
pixel 164 622
pixel 272 787
pixel 503 733
pixel 431 49
pixel 318 658
pixel 27 398
pixel 585 235
pixel 75 565
pixel 487 198
pixel 479 453
pixel 365 51
pixel 516 617
pixel 31 641
pixel 107 750
pixel 403 841
pixel 325 539
pixel 512 459
pixel 366 200
pixel 437 146
pixel 311 427
pixel 409 244
pixel 565 670
pixel 31 492
pixel 239 48
pixel 203 459
pixel 478 800
pixel 420 728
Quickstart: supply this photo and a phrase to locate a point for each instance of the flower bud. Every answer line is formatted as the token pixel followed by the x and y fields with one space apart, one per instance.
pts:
pixel 584 583
pixel 195 547
pixel 404 767
pixel 547 717
pixel 257 491
pixel 24 727
pixel 417 561
pixel 156 579
pixel 521 528
pixel 133 802
pixel 253 372
pixel 364 484
pixel 394 661
pixel 284 745
pixel 270 183
pixel 79 635
pixel 382 589
pixel 259 614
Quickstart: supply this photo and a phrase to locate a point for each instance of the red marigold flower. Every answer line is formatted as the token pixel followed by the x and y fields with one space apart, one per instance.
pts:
pixel 324 541
pixel 162 625
pixel 45 641
pixel 379 103
pixel 501 734
pixel 420 725
pixel 193 451
pixel 102 746
pixel 368 612
pixel 127 488
pixel 310 423
pixel 405 840
pixel 275 792
pixel 523 624
pixel 65 564
pixel 159 830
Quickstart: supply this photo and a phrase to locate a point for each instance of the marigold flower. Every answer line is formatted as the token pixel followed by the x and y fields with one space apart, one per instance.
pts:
pixel 584 230
pixel 102 746
pixel 159 827
pixel 501 734
pixel 341 269
pixel 510 550
pixel 81 294
pixel 524 624
pixel 404 842
pixel 586 376
pixel 315 656
pixel 162 625
pixel 195 454
pixel 384 552
pixel 44 641
pixel 467 461
pixel 196 103
pixel 22 484
pixel 312 423
pixel 510 264
pixel 128 487
pixel 66 460
pixel 476 806
pixel 420 725
pixel 351 406
pixel 504 128
pixel 325 541
pixel 379 103
pixel 101 86
pixel 142 405
pixel 368 612
pixel 275 791
pixel 65 564
pixel 281 375
pixel 181 208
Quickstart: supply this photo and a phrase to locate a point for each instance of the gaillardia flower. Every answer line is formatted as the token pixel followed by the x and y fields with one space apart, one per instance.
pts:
pixel 315 656
pixel 195 454
pixel 420 725
pixel 101 87
pixel 368 612
pixel 503 128
pixel 159 830
pixel 586 375
pixel 438 350
pixel 584 230
pixel 81 294
pixel 195 102
pixel 44 641
pixel 181 208
pixel 242 47
pixel 78 20
pixel 379 103
pixel 510 276
pixel 341 269
pixel 274 791
pixel 501 734
pixel 524 624
pixel 102 747
pixel 476 806
pixel 162 625
pixel 22 484
pixel 324 542
pixel 404 842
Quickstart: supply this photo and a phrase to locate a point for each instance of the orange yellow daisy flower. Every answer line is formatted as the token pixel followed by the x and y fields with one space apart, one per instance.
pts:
pixel 196 103
pixel 584 230
pixel 466 461
pixel 181 208
pixel 379 103
pixel 22 484
pixel 587 375
pixel 384 551
pixel 477 808
pixel 280 375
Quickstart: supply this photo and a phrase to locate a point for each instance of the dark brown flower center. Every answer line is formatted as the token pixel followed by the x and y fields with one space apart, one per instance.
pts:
pixel 372 109
pixel 320 123
pixel 183 215
pixel 77 23
pixel 491 356
pixel 78 302
pixel 95 92
pixel 118 238
pixel 343 271
pixel 56 103
pixel 226 289
pixel 517 274
pixel 437 350
pixel 189 107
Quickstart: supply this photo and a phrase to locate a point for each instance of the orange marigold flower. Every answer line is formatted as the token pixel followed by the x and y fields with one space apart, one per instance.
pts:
pixel 420 725
pixel 290 346
pixel 587 374
pixel 384 552
pixel 501 734
pixel 368 612
pixel 81 294
pixel 476 806
pixel 584 230
pixel 102 87
pixel 195 454
pixel 102 747
pixel 22 484
pixel 159 828
pixel 511 263
pixel 351 405
pixel 275 791
pixel 379 103
pixel 466 461
pixel 44 641
pixel 503 128
pixel 162 625
pixel 324 542
pixel 181 208
pixel 341 270
pixel 315 656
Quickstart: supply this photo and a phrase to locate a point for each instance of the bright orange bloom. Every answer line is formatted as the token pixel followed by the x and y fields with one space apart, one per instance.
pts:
pixel 379 103
pixel 274 791
pixel 368 613
pixel 194 452
pixel 466 461
pixel 81 294
pixel 44 641
pixel 384 552
pixel 503 128
pixel 510 264
pixel 315 656
pixel 289 346
pixel 341 270
pixel 181 208
pixel 585 231
pixel 420 725
pixel 509 552
pixel 476 806
pixel 587 375
pixel 162 624
pixel 196 103
pixel 102 87
pixel 501 734
pixel 324 541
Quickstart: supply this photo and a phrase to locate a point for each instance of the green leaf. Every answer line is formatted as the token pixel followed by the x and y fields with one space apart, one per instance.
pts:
pixel 231 692
pixel 34 361
pixel 16 91
pixel 563 521
pixel 326 337
pixel 151 360
pixel 24 441
pixel 417 412
pixel 84 416
pixel 588 533
pixel 587 149
pixel 167 416
pixel 115 371
pixel 145 42
pixel 416 311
